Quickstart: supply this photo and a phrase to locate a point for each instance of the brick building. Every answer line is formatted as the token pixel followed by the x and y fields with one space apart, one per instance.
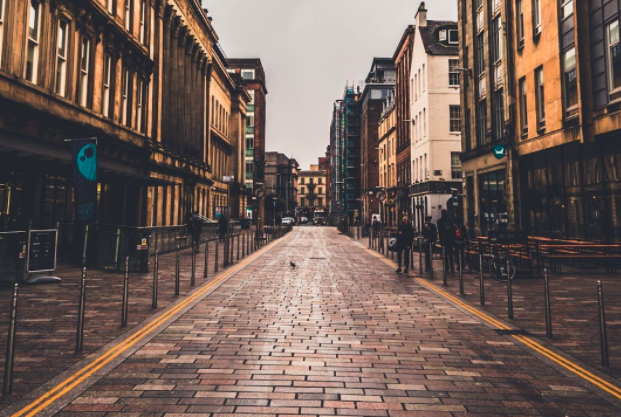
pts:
pixel 387 154
pixel 380 82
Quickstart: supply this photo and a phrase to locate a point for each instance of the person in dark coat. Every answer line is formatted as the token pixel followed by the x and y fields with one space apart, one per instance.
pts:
pixel 195 224
pixel 430 237
pixel 460 240
pixel 445 231
pixel 223 226
pixel 405 236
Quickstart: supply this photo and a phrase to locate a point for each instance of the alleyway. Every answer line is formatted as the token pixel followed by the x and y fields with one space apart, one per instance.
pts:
pixel 339 334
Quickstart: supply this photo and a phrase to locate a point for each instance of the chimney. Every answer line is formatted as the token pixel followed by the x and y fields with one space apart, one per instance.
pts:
pixel 421 16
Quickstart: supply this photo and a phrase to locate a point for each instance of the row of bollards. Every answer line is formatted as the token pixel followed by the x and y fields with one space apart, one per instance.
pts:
pixel 245 246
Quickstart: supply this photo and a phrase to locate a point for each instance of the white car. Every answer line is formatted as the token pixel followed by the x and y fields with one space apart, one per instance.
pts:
pixel 286 221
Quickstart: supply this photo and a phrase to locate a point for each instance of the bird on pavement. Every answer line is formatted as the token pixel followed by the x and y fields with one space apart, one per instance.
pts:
pixel 292 264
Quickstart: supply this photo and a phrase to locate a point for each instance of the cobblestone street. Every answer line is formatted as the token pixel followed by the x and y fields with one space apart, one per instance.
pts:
pixel 339 334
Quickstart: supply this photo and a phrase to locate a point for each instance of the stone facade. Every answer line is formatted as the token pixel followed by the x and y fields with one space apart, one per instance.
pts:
pixel 281 184
pixel 141 76
pixel 312 190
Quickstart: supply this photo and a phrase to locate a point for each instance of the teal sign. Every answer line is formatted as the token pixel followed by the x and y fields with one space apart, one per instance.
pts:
pixel 500 151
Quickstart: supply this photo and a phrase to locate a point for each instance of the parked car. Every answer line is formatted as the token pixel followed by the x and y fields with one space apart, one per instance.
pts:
pixel 286 221
pixel 303 220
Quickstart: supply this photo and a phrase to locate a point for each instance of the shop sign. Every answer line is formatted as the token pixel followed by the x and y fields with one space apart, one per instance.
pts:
pixel 500 151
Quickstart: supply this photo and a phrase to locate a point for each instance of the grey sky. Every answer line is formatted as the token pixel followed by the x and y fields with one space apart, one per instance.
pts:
pixel 310 49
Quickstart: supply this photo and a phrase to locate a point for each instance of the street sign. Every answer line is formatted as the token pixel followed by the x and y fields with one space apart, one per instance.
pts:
pixel 259 192
pixel 381 195
pixel 500 151
pixel 228 179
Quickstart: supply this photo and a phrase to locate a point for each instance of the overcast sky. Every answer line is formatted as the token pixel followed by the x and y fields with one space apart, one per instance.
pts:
pixel 310 49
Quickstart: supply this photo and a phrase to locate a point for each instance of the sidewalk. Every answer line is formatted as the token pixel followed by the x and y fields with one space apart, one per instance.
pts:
pixel 573 298
pixel 47 314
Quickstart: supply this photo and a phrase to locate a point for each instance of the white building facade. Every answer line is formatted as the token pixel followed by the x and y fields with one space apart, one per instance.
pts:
pixel 436 118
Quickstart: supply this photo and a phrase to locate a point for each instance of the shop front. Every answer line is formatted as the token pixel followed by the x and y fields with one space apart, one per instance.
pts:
pixel 574 191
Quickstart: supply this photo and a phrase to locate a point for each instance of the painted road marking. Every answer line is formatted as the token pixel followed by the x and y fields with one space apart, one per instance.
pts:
pixel 77 378
pixel 565 363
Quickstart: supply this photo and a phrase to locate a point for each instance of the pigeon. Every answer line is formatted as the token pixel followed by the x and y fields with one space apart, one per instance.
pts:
pixel 292 264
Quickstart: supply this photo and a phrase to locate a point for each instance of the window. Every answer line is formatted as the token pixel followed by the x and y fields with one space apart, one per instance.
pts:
pixel 125 117
pixel 523 107
pixel 61 59
pixel 140 92
pixel 480 19
pixel 143 25
pixel 302 181
pixel 320 180
pixel 455 119
pixel 496 40
pixel 249 168
pixel 453 73
pixel 1 28
pixel 482 122
pixel 85 56
pixel 442 35
pixel 540 97
pixel 570 83
pixel 251 94
pixel 537 17
pixel 480 54
pixel 247 74
pixel 128 15
pixel 34 27
pixel 614 60
pixel 567 8
pixel 302 202
pixel 496 6
pixel 250 121
pixel 107 85
pixel 520 23
pixel 423 81
pixel 320 190
pixel 499 115
pixel 455 166
pixel 249 142
pixel 110 6
pixel 453 36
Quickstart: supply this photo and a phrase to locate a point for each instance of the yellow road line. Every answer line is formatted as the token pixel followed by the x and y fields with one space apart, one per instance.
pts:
pixel 563 362
pixel 74 380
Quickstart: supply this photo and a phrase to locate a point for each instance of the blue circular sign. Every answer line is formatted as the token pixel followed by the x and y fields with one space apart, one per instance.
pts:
pixel 500 151
pixel 87 162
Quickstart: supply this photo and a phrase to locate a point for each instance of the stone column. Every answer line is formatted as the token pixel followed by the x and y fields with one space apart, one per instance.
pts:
pixel 174 84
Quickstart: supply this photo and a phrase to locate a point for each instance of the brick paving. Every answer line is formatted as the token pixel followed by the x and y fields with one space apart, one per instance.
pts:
pixel 340 335
pixel 573 302
pixel 47 315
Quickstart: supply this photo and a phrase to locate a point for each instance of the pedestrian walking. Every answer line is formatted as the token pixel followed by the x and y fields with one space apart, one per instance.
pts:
pixel 405 236
pixel 195 224
pixel 430 237
pixel 223 226
pixel 445 232
pixel 460 239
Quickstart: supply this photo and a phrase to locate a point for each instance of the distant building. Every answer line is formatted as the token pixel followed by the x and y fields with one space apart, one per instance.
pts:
pixel 335 177
pixel 253 75
pixel 380 82
pixel 312 191
pixel 281 179
pixel 350 131
pixel 436 118
pixel 387 157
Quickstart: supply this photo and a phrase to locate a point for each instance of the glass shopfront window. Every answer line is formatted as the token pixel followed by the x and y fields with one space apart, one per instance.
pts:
pixel 493 201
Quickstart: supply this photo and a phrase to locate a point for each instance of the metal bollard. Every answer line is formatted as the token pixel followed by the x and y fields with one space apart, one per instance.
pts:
pixel 412 257
pixel 193 274
pixel 177 271
pixel 206 259
pixel 79 338
pixel 546 294
pixel 461 273
pixel 156 273
pixel 509 292
pixel 420 255
pixel 444 260
pixel 603 334
pixel 370 233
pixel 430 253
pixel 231 244
pixel 10 345
pixel 125 294
pixel 243 245
pixel 238 243
pixel 215 264
pixel 481 282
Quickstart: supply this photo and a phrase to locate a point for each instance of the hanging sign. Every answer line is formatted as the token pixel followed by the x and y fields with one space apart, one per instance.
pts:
pixel 500 151
pixel 85 178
